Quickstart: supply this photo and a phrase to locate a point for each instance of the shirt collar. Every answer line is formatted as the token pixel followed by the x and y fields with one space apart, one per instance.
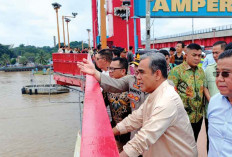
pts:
pixel 227 99
pixel 187 67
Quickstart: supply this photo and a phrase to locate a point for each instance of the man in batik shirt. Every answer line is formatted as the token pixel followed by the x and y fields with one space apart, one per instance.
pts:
pixel 119 102
pixel 188 79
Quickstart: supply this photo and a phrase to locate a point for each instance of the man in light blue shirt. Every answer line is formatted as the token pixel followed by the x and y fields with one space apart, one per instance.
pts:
pixel 220 109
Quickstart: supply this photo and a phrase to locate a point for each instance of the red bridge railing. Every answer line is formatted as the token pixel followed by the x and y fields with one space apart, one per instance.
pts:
pixel 97 139
pixel 97 135
pixel 65 67
pixel 67 63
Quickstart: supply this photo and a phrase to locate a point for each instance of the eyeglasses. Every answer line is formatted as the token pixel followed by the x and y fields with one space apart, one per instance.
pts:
pixel 224 74
pixel 113 69
pixel 99 58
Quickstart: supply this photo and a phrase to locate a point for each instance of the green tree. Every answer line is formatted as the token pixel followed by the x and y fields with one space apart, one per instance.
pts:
pixel 41 58
pixel 33 53
pixel 23 60
pixel 30 56
pixel 5 49
pixel 13 61
pixel 5 59
pixel 78 44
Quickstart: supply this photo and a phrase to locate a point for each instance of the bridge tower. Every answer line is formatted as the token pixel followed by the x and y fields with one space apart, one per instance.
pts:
pixel 117 23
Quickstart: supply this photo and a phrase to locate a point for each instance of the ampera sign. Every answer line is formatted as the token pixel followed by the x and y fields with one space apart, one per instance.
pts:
pixel 185 8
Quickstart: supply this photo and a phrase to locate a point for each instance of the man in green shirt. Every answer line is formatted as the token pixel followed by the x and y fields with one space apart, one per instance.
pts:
pixel 210 84
pixel 188 79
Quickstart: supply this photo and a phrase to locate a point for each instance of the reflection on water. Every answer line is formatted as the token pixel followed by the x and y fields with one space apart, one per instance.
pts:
pixel 31 126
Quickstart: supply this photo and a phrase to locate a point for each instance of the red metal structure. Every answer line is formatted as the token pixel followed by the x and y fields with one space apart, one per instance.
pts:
pixel 66 71
pixel 97 136
pixel 94 22
pixel 117 30
pixel 207 42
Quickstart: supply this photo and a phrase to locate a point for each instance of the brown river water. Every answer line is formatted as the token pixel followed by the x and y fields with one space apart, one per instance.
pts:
pixel 33 126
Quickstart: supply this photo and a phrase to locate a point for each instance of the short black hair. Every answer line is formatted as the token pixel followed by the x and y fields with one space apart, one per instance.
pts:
pixel 131 47
pixel 172 49
pixel 228 46
pixel 116 52
pixel 99 47
pixel 107 54
pixel 120 49
pixel 222 43
pixel 164 52
pixel 194 46
pixel 123 63
pixel 180 42
pixel 225 54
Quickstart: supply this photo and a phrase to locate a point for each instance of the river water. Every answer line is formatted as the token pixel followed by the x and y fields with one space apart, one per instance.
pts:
pixel 33 126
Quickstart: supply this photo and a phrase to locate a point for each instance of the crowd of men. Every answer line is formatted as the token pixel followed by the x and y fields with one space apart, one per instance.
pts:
pixel 67 49
pixel 158 109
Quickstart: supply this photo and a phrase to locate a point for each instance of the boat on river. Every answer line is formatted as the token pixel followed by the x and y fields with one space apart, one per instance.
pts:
pixel 44 89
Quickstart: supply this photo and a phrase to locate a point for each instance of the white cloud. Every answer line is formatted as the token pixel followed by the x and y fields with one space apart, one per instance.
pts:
pixel 33 22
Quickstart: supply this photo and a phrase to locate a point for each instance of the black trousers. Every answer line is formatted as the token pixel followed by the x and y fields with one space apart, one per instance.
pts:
pixel 196 128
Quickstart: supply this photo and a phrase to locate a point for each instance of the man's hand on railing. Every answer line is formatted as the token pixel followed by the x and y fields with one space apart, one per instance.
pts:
pixel 89 68
pixel 115 131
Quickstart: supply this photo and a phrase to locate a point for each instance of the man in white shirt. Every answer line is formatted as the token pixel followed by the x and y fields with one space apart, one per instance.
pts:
pixel 165 129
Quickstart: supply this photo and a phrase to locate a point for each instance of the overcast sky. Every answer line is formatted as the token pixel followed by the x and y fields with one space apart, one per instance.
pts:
pixel 33 22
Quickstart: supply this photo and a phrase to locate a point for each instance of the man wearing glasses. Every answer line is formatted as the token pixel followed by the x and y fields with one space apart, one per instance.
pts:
pixel 220 109
pixel 128 83
pixel 209 83
pixel 119 102
pixel 103 60
pixel 211 88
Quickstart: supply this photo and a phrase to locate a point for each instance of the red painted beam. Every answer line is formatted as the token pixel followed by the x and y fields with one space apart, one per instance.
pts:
pixel 97 136
pixel 94 22
pixel 63 80
pixel 207 42
pixel 67 64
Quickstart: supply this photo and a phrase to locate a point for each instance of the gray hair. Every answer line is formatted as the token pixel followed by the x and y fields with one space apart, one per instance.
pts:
pixel 157 62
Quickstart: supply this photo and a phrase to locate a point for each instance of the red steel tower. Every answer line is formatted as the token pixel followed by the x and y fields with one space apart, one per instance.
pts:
pixel 117 23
